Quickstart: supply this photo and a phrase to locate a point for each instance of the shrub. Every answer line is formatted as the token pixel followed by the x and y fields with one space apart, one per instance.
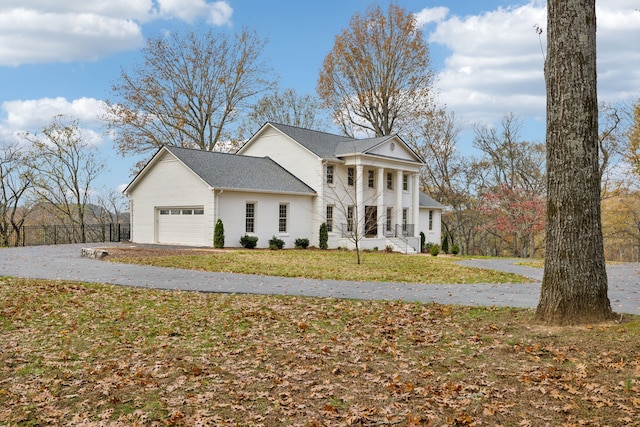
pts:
pixel 249 242
pixel 445 244
pixel 423 239
pixel 324 236
pixel 301 243
pixel 455 249
pixel 275 243
pixel 388 248
pixel 218 234
pixel 435 250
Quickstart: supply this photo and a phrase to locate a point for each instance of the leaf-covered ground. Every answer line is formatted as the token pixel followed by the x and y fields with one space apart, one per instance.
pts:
pixel 317 264
pixel 81 354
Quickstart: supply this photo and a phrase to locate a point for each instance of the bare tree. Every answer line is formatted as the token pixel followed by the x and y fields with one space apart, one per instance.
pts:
pixel 377 78
pixel 14 186
pixel 62 167
pixel 188 90
pixel 574 286
pixel 285 107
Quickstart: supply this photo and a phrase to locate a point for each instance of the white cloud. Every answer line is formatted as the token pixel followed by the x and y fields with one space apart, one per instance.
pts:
pixel 496 59
pixel 44 31
pixel 431 14
pixel 33 115
pixel 217 13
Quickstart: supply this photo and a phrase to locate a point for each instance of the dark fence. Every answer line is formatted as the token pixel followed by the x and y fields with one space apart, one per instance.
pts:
pixel 33 235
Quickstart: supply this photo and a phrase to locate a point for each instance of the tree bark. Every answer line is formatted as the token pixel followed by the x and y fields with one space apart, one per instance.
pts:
pixel 574 286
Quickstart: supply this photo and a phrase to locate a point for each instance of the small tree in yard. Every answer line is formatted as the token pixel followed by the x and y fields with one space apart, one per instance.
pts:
pixel 324 236
pixel 218 235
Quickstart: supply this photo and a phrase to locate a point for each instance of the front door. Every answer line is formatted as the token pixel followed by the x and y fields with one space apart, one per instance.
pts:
pixel 370 221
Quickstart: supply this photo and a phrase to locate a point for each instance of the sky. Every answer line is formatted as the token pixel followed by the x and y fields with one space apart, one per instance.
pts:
pixel 61 57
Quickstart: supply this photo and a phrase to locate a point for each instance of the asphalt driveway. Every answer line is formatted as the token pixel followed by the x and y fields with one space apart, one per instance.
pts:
pixel 64 262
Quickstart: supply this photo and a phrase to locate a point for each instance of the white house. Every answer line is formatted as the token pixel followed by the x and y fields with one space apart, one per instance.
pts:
pixel 285 182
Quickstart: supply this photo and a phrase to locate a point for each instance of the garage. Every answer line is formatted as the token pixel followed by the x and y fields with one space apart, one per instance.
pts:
pixel 182 225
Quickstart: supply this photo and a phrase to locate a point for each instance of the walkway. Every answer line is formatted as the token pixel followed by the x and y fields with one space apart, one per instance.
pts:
pixel 64 262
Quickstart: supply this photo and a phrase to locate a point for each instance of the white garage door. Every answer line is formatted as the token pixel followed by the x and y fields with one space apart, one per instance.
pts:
pixel 182 226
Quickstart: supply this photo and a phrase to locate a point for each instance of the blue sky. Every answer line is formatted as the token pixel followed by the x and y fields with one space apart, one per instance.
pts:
pixel 61 57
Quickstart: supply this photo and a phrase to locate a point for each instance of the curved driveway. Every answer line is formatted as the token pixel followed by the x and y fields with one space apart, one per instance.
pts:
pixel 64 262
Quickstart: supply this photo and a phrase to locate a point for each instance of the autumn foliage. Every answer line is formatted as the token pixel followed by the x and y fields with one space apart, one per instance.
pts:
pixel 94 355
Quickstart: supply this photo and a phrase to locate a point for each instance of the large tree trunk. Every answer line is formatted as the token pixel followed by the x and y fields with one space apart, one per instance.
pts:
pixel 574 286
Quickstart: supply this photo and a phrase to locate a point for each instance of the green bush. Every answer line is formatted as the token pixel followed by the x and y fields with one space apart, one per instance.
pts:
pixel 435 250
pixel 301 243
pixel 455 249
pixel 218 234
pixel 249 242
pixel 275 243
pixel 324 236
pixel 445 244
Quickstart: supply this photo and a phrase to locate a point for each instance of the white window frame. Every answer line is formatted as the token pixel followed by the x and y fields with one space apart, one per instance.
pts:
pixel 250 218
pixel 283 220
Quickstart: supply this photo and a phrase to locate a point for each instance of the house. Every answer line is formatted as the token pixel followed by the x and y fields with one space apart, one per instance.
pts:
pixel 285 182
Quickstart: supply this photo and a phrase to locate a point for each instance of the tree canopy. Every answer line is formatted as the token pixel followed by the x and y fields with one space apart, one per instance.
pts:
pixel 377 78
pixel 187 91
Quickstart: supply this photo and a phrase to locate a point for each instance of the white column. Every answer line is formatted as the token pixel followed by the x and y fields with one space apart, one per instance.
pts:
pixel 398 198
pixel 360 199
pixel 381 211
pixel 416 204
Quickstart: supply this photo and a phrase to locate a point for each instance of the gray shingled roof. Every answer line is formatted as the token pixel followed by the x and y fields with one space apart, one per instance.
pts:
pixel 427 202
pixel 234 171
pixel 329 146
pixel 322 144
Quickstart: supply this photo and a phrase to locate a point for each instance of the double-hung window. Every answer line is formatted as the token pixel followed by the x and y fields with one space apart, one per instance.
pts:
pixel 389 218
pixel 250 217
pixel 389 181
pixel 405 182
pixel 282 218
pixel 330 218
pixel 329 174
pixel 350 176
pixel 371 181
pixel 350 210
pixel 430 220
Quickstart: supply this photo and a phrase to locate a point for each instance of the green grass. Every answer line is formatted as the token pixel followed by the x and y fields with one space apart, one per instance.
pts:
pixel 315 264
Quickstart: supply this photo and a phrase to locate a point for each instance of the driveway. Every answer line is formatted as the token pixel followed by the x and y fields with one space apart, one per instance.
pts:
pixel 64 262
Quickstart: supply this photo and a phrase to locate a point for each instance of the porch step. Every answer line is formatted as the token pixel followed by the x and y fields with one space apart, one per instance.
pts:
pixel 400 246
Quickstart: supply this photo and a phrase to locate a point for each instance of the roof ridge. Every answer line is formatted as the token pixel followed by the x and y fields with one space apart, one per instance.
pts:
pixel 310 130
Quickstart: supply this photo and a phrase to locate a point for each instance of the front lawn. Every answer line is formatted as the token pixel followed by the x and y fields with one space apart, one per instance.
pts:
pixel 316 264
pixel 96 355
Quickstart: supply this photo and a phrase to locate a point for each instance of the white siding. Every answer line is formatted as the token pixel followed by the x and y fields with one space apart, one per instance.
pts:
pixel 267 207
pixel 168 183
pixel 435 234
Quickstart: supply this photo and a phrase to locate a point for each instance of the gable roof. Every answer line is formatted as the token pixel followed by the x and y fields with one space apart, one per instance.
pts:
pixel 427 202
pixel 235 171
pixel 329 146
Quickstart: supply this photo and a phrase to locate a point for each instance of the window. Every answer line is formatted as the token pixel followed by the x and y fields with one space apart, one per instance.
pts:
pixel 349 218
pixel 198 211
pixel 405 215
pixel 282 222
pixel 389 181
pixel 405 182
pixel 164 211
pixel 350 177
pixel 329 174
pixel 175 211
pixel 187 211
pixel 389 218
pixel 430 220
pixel 370 179
pixel 250 215
pixel 330 218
